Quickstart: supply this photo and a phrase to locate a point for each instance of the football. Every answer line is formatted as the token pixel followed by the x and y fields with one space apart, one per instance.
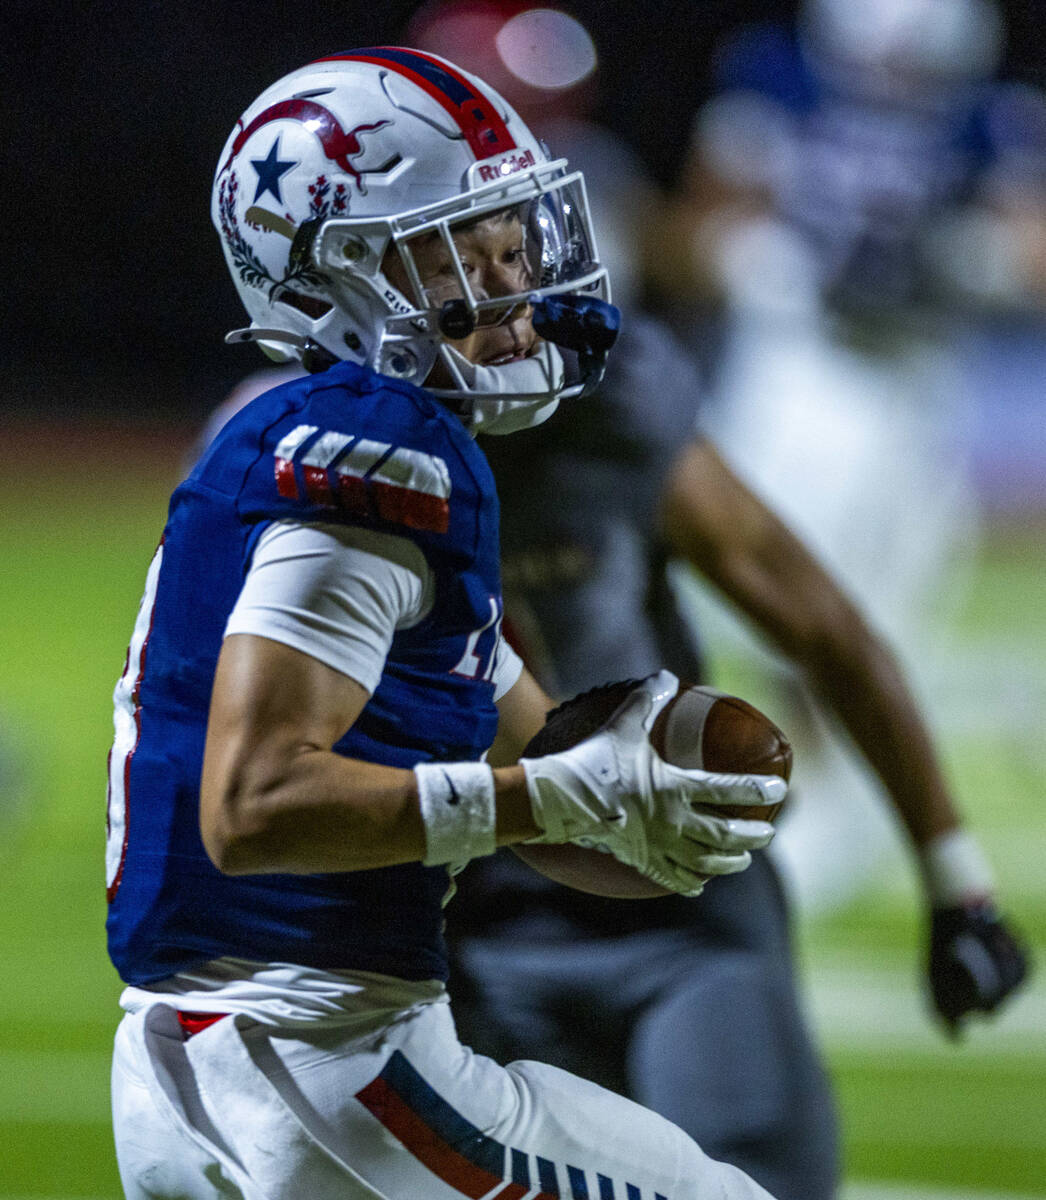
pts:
pixel 700 727
pixel 703 727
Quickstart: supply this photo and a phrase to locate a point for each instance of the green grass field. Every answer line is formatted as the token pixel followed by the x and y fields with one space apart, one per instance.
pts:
pixel 919 1113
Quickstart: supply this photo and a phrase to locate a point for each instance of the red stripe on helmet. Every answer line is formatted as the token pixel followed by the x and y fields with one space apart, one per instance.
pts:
pixel 475 114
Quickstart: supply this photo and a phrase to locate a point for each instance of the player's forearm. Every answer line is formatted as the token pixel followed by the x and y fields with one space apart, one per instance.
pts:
pixel 321 812
pixel 862 684
pixel 805 614
pixel 730 535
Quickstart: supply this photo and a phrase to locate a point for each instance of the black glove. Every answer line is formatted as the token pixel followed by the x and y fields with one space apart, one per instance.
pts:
pixel 975 961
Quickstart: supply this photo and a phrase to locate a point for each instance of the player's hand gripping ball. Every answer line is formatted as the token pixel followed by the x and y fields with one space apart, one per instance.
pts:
pixel 703 727
pixel 700 727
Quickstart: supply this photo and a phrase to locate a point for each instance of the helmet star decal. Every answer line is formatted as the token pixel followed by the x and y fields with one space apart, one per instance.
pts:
pixel 270 170
pixel 339 145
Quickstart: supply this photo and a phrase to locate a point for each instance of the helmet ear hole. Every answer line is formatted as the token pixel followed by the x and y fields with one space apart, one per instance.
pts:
pixel 354 250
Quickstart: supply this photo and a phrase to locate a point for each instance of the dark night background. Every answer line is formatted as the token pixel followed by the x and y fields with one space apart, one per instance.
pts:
pixel 115 288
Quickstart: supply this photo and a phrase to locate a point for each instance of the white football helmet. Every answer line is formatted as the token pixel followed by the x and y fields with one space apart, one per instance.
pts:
pixel 358 154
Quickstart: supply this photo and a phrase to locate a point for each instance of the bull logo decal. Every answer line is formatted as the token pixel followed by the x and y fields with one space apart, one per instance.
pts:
pixel 339 145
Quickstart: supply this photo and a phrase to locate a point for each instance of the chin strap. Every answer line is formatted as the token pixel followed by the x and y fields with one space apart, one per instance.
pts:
pixel 313 357
pixel 505 399
pixel 583 324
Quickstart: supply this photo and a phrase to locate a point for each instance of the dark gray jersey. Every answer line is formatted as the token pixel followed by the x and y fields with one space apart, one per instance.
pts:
pixel 583 565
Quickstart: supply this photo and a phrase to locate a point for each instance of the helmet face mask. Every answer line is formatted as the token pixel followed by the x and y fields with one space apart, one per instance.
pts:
pixel 316 200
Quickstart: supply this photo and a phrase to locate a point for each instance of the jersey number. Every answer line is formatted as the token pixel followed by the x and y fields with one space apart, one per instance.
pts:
pixel 471 665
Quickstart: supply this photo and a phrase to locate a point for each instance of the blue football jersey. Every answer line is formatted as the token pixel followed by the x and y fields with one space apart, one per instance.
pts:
pixel 347 446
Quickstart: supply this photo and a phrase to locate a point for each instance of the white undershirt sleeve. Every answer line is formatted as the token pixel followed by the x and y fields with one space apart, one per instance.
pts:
pixel 508 667
pixel 335 592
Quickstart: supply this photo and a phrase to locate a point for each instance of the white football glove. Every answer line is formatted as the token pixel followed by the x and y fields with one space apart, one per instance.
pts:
pixel 613 790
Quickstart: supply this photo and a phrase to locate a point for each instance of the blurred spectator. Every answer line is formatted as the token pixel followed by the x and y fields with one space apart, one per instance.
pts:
pixel 858 194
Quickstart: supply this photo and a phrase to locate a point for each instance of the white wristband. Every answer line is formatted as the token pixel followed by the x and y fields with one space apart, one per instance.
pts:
pixel 457 808
pixel 955 869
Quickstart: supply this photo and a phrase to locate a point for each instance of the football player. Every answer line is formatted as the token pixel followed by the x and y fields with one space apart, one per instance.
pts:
pixel 305 726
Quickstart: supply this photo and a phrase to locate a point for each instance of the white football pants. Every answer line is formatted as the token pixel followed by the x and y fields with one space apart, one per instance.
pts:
pixel 249 1111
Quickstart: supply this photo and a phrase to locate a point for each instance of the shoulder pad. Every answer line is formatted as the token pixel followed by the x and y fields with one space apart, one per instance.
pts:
pixel 363 477
pixel 355 450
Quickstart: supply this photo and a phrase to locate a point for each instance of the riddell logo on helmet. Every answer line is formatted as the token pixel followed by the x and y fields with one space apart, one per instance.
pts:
pixel 488 172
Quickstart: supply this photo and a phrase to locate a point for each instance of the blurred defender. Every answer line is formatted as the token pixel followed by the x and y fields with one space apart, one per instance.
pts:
pixel 688 1006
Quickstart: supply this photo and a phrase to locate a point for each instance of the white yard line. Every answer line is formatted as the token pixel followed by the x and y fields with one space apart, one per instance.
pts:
pixel 908 1191
pixel 859 1007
